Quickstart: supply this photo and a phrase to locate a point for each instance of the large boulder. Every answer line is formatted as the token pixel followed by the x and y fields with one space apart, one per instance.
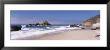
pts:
pixel 15 28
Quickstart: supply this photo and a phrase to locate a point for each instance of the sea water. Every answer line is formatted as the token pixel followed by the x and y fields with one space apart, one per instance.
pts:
pixel 40 28
pixel 35 30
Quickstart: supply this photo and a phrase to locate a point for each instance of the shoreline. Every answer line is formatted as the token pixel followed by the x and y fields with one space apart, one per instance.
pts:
pixel 73 34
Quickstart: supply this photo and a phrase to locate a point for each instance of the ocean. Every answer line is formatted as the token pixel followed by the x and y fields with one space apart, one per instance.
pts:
pixel 38 30
pixel 49 27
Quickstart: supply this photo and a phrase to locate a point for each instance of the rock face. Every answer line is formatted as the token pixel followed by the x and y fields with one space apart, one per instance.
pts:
pixel 97 26
pixel 92 22
pixel 45 23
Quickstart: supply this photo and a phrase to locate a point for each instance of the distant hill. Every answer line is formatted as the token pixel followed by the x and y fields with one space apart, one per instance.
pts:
pixel 93 20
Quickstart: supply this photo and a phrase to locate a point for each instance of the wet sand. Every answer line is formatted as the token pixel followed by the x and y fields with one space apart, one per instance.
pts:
pixel 80 34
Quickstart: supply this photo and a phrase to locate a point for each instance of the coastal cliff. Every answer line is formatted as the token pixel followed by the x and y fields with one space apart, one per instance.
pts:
pixel 92 21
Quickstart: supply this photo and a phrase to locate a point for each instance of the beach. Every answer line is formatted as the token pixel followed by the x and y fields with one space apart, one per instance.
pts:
pixel 71 34
pixel 55 25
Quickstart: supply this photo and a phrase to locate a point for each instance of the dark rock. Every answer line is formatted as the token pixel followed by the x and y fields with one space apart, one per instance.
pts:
pixel 82 28
pixel 15 28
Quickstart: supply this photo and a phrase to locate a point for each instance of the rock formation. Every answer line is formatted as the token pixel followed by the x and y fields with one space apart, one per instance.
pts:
pixel 93 21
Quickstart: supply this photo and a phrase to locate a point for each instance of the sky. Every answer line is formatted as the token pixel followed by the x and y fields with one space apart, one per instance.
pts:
pixel 52 16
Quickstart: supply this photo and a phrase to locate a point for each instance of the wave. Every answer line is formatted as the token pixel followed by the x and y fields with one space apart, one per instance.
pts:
pixel 30 31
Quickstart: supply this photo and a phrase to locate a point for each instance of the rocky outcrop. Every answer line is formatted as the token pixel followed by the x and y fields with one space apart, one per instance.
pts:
pixel 92 21
pixel 45 23
pixel 15 28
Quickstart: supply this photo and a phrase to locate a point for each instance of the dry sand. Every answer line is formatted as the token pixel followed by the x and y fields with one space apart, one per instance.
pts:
pixel 68 35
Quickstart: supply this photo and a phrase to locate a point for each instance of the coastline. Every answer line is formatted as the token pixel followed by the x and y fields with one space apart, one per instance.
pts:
pixel 70 34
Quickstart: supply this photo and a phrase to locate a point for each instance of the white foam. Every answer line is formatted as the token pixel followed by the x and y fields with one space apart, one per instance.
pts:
pixel 35 31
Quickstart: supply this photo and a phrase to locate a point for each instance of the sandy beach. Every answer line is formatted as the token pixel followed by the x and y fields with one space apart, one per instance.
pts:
pixel 78 34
